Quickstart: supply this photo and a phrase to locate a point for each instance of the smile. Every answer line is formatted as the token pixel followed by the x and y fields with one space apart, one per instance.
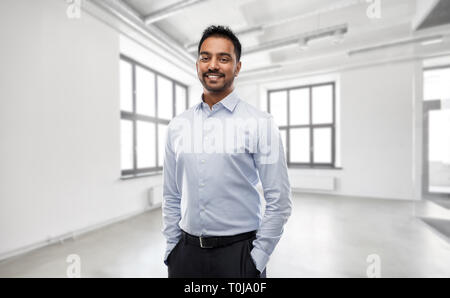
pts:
pixel 213 77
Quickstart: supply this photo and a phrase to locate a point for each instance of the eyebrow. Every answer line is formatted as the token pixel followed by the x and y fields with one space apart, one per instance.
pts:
pixel 220 54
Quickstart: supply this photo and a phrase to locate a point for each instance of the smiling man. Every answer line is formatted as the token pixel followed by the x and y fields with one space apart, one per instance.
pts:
pixel 216 154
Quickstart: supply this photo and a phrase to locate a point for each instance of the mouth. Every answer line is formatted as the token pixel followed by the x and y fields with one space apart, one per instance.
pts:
pixel 213 76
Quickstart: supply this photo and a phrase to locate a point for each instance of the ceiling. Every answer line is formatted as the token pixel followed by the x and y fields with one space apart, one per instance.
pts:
pixel 439 15
pixel 377 28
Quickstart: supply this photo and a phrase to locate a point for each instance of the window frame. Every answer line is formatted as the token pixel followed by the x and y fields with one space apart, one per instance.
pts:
pixel 431 68
pixel 310 125
pixel 134 117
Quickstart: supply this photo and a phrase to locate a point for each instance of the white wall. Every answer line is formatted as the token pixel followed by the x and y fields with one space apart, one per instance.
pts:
pixel 377 131
pixel 377 142
pixel 59 126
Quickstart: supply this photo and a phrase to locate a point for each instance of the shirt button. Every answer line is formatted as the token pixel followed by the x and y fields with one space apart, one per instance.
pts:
pixel 202 161
pixel 202 184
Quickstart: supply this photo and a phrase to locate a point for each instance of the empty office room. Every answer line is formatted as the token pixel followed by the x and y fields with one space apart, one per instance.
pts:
pixel 329 120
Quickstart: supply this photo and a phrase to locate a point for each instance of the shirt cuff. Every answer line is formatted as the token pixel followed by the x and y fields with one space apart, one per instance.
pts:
pixel 260 258
pixel 170 247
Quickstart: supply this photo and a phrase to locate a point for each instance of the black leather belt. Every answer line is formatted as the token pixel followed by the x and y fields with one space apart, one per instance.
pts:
pixel 213 242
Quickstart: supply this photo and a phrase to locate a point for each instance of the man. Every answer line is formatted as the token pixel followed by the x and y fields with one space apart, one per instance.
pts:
pixel 216 153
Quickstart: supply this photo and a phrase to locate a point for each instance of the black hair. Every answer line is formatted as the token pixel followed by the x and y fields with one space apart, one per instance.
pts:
pixel 224 32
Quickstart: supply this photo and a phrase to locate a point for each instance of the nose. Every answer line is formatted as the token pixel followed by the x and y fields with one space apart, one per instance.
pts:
pixel 213 65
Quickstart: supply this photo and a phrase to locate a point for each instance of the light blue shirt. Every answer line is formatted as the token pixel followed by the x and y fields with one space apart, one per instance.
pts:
pixel 214 160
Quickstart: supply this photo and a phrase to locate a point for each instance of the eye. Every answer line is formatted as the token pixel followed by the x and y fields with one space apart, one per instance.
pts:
pixel 203 58
pixel 224 60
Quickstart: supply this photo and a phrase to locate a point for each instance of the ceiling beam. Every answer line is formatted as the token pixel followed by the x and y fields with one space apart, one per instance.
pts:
pixel 169 10
pixel 338 67
pixel 192 47
pixel 258 29
pixel 392 44
pixel 423 10
pixel 128 15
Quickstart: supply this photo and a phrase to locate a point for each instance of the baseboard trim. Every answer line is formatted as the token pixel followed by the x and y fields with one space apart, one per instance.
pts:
pixel 73 234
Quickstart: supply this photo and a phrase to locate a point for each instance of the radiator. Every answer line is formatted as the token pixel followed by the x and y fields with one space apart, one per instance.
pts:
pixel 155 195
pixel 308 182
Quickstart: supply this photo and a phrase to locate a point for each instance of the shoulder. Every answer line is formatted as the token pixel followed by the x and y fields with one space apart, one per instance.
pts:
pixel 251 111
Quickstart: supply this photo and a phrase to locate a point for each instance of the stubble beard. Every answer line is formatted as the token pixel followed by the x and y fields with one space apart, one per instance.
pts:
pixel 216 89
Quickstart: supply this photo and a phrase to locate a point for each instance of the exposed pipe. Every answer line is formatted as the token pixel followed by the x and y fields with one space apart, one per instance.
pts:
pixel 297 39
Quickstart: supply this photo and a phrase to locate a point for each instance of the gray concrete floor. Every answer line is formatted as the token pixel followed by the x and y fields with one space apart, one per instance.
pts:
pixel 326 236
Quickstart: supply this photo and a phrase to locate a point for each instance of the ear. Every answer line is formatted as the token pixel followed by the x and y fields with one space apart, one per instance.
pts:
pixel 238 69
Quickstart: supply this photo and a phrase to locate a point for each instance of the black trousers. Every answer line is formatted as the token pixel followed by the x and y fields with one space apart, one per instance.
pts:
pixel 231 261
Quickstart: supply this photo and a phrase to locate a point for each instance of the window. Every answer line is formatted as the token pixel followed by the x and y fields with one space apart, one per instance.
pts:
pixel 148 101
pixel 436 84
pixel 306 118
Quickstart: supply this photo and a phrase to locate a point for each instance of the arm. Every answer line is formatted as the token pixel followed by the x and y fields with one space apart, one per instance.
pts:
pixel 271 164
pixel 171 199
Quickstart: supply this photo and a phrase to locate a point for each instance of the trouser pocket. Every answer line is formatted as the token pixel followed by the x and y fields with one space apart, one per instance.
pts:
pixel 251 266
pixel 173 250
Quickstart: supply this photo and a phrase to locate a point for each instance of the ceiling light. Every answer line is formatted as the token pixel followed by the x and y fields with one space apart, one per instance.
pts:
pixel 431 41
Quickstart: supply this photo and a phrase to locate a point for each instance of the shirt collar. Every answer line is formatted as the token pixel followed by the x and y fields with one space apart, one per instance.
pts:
pixel 229 102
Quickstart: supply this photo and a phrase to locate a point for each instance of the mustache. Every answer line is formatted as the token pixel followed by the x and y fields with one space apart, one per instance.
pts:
pixel 213 73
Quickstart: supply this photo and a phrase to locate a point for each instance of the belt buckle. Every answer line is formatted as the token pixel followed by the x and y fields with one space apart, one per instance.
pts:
pixel 202 244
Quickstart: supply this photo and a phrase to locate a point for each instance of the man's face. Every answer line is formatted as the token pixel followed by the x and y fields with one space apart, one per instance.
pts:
pixel 217 64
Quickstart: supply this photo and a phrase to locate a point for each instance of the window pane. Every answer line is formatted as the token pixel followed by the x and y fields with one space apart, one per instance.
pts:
pixel 322 101
pixel 145 92
pixel 162 131
pixel 299 145
pixel 126 86
pixel 299 106
pixel 165 98
pixel 146 155
pixel 181 99
pixel 322 145
pixel 126 144
pixel 438 159
pixel 436 84
pixel 278 107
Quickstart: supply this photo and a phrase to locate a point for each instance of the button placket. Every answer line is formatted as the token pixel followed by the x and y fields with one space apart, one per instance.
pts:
pixel 201 187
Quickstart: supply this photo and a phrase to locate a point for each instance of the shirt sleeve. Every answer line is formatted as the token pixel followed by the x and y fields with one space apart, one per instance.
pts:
pixel 171 209
pixel 272 169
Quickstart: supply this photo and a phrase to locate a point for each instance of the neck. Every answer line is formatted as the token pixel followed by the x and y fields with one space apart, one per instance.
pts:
pixel 211 98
